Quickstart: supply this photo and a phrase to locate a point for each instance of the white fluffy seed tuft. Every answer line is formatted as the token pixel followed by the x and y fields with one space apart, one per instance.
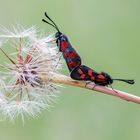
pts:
pixel 24 56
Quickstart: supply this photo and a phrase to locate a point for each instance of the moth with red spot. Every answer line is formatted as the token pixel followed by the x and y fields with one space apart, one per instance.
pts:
pixel 85 73
pixel 70 55
pixel 73 60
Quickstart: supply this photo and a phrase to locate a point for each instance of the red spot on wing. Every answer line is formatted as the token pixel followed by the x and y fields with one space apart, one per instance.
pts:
pixel 72 64
pixel 90 72
pixel 64 45
pixel 92 78
pixel 80 71
pixel 66 54
pixel 100 76
pixel 72 54
pixel 82 76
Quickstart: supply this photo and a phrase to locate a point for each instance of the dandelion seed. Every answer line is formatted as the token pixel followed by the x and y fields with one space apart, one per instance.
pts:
pixel 24 57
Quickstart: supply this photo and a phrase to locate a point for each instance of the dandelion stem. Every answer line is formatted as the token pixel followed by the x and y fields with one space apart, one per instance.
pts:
pixel 62 79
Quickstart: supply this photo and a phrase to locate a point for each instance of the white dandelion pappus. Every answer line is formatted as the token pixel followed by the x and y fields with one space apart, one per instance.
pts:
pixel 22 92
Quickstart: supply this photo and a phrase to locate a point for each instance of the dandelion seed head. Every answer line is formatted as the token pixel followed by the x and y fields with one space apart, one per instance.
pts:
pixel 17 32
pixel 24 57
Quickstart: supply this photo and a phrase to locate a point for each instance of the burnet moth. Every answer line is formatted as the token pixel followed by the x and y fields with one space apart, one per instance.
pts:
pixel 87 74
pixel 70 55
pixel 73 60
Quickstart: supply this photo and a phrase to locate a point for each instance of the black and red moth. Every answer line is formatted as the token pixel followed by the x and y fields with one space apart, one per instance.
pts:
pixel 73 60
pixel 87 74
pixel 70 55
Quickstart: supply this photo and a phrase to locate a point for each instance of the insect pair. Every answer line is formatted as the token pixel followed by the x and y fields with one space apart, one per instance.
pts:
pixel 73 60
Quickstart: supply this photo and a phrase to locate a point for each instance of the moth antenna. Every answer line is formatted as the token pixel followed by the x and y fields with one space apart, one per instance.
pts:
pixel 48 23
pixel 129 81
pixel 52 22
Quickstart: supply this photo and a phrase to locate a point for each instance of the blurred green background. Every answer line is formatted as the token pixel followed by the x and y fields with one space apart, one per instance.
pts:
pixel 107 36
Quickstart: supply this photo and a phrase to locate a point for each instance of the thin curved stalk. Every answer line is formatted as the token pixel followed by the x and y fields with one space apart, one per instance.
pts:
pixel 62 79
